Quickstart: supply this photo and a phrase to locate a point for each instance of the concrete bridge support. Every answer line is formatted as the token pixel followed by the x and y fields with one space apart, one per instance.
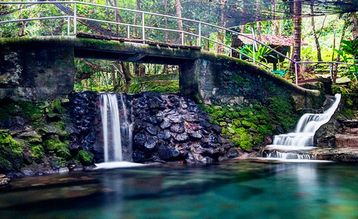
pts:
pixel 36 70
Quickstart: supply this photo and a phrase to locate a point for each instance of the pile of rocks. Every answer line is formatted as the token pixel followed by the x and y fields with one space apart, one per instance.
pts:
pixel 165 128
pixel 83 112
pixel 174 128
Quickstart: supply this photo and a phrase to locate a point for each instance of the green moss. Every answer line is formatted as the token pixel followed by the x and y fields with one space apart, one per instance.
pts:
pixel 6 165
pixel 54 145
pixel 26 109
pixel 85 157
pixel 248 126
pixel 37 151
pixel 58 162
pixel 11 152
pixel 283 112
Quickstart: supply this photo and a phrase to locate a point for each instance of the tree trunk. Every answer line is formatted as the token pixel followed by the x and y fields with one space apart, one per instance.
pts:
pixel 338 59
pixel 116 14
pixel 138 15
pixel 316 38
pixel 297 23
pixel 179 15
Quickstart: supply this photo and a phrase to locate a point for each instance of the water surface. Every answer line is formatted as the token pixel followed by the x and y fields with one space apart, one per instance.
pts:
pixel 231 190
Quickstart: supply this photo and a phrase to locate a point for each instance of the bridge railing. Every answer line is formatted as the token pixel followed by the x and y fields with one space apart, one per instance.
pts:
pixel 326 69
pixel 190 32
pixel 195 31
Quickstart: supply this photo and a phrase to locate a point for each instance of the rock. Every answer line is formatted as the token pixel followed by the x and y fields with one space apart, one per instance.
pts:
pixel 232 153
pixel 31 135
pixel 151 142
pixel 175 118
pixel 177 128
pixel 196 135
pixel 336 154
pixel 346 140
pixel 139 156
pixel 191 118
pixel 165 124
pixel 165 153
pixel 217 129
pixel 165 135
pixel 140 139
pixel 4 180
pixel 181 137
pixel 27 172
pixel 63 170
pixel 152 130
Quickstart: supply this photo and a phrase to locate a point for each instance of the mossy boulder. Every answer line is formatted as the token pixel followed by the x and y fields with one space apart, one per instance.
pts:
pixel 86 157
pixel 57 147
pixel 11 152
pixel 37 152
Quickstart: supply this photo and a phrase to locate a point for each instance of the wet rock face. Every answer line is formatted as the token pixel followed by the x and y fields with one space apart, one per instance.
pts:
pixel 165 128
pixel 174 128
pixel 83 114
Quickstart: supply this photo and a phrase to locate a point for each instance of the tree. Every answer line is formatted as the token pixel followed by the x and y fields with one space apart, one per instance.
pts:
pixel 179 15
pixel 315 35
pixel 297 24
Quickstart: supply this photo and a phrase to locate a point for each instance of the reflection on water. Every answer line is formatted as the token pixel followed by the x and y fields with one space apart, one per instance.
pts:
pixel 231 190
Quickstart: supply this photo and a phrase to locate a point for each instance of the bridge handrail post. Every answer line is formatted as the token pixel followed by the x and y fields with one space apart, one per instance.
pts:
pixel 296 72
pixel 331 72
pixel 143 27
pixel 199 33
pixel 75 18
pixel 128 32
pixel 182 38
pixel 68 26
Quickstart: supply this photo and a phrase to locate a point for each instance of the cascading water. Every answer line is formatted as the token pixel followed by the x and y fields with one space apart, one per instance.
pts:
pixel 294 145
pixel 113 130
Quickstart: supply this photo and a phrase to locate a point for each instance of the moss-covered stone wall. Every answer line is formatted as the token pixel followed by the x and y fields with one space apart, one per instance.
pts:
pixel 34 138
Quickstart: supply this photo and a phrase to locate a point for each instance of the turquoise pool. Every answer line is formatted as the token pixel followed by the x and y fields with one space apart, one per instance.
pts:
pixel 230 190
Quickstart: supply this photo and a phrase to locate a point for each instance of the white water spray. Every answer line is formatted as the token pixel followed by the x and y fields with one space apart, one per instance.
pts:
pixel 285 146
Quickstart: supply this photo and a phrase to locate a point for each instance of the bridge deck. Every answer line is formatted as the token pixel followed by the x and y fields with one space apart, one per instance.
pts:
pixel 148 42
pixel 149 52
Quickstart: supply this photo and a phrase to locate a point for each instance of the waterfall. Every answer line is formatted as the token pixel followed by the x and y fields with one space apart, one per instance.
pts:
pixel 113 131
pixel 111 127
pixel 294 145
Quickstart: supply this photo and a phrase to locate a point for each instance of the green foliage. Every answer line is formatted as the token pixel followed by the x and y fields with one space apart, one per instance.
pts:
pixel 349 52
pixel 11 152
pixel 259 54
pixel 158 86
pixel 60 148
pixel 349 99
pixel 26 109
pixel 85 157
pixel 37 151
